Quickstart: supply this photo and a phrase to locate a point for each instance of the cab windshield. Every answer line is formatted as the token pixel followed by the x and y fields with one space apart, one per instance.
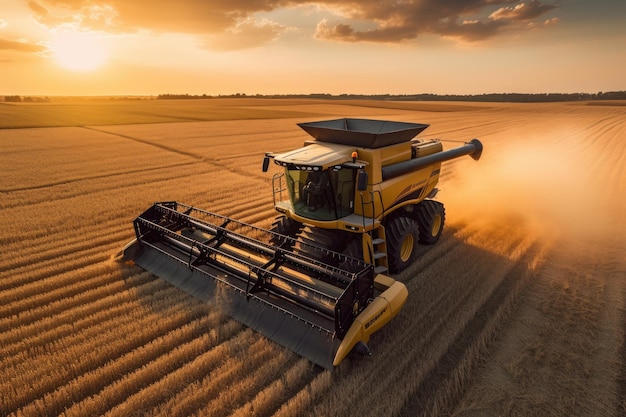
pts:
pixel 322 195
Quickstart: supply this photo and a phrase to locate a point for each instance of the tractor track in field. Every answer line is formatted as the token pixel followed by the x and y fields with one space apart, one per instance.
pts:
pixel 94 177
pixel 146 142
pixel 199 158
pixel 471 344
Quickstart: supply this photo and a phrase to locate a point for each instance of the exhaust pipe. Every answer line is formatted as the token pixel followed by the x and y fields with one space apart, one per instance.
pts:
pixel 473 148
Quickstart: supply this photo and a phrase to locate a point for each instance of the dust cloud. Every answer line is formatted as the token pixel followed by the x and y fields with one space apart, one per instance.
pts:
pixel 535 185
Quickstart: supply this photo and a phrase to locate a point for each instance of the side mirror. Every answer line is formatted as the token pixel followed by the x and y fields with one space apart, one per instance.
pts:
pixel 361 181
pixel 266 163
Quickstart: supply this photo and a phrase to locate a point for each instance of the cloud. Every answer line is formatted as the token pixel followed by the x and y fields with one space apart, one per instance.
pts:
pixel 345 32
pixel 19 46
pixel 398 21
pixel 382 21
pixel 522 11
pixel 471 31
pixel 38 9
pixel 182 16
pixel 544 24
pixel 247 34
pixel 551 22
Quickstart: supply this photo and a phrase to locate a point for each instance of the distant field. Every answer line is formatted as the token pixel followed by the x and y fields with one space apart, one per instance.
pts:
pixel 125 111
pixel 87 112
pixel 519 309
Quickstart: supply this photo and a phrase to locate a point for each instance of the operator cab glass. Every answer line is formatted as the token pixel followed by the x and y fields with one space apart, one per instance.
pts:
pixel 322 195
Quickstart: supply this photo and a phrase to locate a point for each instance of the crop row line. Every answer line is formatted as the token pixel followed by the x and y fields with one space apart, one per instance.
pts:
pixel 63 192
pixel 269 399
pixel 166 179
pixel 94 347
pixel 54 273
pixel 446 382
pixel 244 380
pixel 109 302
pixel 70 231
pixel 55 247
pixel 303 402
pixel 74 180
pixel 91 383
pixel 119 390
pixel 221 376
pixel 72 283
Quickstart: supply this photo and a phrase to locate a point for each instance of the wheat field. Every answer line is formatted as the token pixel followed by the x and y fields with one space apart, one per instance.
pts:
pixel 519 309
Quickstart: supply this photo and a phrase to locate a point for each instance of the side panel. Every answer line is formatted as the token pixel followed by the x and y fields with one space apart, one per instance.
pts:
pixel 378 158
pixel 405 189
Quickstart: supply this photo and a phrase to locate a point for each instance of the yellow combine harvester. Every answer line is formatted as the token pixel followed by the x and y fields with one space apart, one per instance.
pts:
pixel 354 202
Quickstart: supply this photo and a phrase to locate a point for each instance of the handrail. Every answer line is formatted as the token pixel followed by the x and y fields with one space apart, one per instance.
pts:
pixel 278 190
pixel 373 205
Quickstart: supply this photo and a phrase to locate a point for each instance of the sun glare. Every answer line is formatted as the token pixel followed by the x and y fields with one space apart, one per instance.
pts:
pixel 78 51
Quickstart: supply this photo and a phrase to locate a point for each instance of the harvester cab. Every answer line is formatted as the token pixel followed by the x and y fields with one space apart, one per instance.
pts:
pixel 353 202
pixel 319 182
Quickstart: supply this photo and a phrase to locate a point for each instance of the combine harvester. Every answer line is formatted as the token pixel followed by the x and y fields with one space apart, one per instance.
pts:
pixel 354 202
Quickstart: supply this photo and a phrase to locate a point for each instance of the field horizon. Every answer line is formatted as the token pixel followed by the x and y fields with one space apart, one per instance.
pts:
pixel 519 309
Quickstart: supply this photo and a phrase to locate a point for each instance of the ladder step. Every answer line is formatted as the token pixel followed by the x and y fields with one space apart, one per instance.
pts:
pixel 379 255
pixel 381 269
pixel 378 241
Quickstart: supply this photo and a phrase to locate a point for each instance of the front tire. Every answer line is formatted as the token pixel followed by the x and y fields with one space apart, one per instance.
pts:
pixel 353 249
pixel 402 237
pixel 284 226
pixel 430 216
pixel 316 243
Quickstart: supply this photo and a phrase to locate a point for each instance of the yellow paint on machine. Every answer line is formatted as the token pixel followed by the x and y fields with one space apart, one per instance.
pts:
pixel 378 313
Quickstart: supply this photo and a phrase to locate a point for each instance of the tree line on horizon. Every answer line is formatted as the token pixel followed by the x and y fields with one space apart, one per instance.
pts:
pixel 491 97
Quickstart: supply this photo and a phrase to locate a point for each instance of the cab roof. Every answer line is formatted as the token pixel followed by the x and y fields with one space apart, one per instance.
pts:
pixel 315 157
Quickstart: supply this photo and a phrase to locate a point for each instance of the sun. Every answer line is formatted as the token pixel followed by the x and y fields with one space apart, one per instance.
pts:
pixel 79 51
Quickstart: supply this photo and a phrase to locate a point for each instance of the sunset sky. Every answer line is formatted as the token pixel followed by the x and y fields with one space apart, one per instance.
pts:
pixel 149 47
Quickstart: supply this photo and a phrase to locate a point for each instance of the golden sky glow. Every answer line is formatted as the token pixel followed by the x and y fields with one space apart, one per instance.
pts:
pixel 78 51
pixel 147 47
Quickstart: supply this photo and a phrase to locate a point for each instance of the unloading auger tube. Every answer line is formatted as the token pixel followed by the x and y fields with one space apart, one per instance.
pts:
pixel 315 309
pixel 474 148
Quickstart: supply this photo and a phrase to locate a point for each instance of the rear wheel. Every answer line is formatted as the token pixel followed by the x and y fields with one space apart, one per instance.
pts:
pixel 402 236
pixel 430 217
